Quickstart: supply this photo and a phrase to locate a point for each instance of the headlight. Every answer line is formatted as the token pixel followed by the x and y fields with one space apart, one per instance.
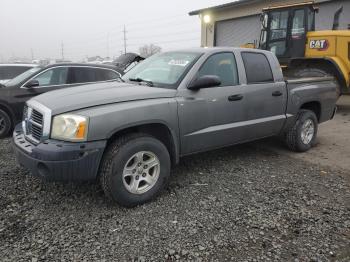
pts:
pixel 68 127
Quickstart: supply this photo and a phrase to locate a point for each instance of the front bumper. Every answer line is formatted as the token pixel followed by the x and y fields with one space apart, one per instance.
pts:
pixel 59 161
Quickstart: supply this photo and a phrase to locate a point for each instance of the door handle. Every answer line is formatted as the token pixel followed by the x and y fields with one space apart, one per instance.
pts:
pixel 277 93
pixel 235 97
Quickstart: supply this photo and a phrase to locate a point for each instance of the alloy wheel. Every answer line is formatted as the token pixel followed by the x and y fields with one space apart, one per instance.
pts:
pixel 141 172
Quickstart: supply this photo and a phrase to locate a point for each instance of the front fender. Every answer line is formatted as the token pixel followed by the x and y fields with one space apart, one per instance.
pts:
pixel 107 120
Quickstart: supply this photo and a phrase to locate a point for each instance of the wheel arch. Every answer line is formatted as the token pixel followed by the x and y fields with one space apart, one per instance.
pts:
pixel 158 130
pixel 8 110
pixel 329 63
pixel 314 106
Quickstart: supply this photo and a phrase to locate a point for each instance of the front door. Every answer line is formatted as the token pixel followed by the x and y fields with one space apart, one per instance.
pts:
pixel 208 117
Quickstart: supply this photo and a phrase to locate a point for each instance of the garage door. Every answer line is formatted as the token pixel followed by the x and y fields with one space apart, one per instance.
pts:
pixel 238 31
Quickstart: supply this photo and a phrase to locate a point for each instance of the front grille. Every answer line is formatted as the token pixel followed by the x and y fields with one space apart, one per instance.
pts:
pixel 33 124
pixel 37 117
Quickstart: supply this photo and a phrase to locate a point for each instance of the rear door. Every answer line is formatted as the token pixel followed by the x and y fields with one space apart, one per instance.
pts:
pixel 265 99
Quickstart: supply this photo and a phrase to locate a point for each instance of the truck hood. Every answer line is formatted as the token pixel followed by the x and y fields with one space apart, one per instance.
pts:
pixel 75 98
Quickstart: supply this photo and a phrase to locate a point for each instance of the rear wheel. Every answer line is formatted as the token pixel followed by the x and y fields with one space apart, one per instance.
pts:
pixel 302 136
pixel 134 169
pixel 5 124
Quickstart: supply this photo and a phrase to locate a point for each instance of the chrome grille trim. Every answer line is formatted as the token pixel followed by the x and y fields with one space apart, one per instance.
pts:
pixel 38 117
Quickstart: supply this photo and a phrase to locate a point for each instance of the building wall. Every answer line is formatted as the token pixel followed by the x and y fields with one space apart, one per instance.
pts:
pixel 324 19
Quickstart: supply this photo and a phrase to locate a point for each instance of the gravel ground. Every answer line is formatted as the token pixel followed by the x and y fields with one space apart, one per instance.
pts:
pixel 238 204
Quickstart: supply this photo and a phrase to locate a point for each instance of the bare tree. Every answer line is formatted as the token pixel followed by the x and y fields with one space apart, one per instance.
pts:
pixel 148 50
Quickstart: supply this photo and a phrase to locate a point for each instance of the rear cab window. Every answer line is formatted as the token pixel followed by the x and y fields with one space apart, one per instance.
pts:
pixel 257 68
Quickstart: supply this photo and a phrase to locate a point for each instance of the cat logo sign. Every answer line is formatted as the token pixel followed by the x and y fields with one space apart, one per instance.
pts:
pixel 321 45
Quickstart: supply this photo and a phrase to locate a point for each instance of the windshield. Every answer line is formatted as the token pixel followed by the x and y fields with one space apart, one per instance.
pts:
pixel 17 80
pixel 163 70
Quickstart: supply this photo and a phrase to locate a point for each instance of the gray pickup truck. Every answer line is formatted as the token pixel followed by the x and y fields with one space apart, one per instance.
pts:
pixel 128 134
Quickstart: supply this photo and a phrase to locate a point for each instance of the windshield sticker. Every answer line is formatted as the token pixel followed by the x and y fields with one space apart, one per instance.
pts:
pixel 178 62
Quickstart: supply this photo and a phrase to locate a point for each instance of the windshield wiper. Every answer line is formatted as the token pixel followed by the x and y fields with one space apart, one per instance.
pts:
pixel 140 80
pixel 120 79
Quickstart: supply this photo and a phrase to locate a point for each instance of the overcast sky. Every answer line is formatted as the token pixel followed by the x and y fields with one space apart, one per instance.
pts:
pixel 94 27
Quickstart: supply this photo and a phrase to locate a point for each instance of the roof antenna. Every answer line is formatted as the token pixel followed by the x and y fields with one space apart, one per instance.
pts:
pixel 336 18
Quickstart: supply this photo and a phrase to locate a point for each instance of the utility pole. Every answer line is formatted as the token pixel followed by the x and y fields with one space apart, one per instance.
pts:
pixel 124 31
pixel 108 45
pixel 62 51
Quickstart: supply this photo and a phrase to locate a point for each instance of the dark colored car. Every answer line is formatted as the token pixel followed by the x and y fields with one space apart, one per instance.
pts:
pixel 39 80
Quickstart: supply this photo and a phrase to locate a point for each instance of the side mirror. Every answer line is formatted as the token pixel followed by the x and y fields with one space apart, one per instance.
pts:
pixel 32 83
pixel 205 82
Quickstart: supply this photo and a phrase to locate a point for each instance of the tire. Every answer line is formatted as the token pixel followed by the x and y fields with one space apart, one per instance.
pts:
pixel 294 136
pixel 5 124
pixel 121 158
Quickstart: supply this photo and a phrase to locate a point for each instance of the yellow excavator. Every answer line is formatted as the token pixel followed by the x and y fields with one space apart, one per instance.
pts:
pixel 289 32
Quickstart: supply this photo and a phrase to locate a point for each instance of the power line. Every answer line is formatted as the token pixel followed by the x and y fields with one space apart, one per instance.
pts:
pixel 99 43
pixel 165 25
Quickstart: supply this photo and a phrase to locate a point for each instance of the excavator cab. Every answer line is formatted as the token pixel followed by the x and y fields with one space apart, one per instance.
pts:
pixel 284 30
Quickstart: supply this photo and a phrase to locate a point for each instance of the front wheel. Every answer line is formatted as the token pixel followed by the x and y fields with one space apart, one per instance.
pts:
pixel 134 169
pixel 302 136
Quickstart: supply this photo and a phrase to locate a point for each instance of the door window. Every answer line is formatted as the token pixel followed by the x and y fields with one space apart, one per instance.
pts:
pixel 278 32
pixel 311 20
pixel 257 68
pixel 298 26
pixel 105 74
pixel 54 76
pixel 78 75
pixel 279 24
pixel 222 65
